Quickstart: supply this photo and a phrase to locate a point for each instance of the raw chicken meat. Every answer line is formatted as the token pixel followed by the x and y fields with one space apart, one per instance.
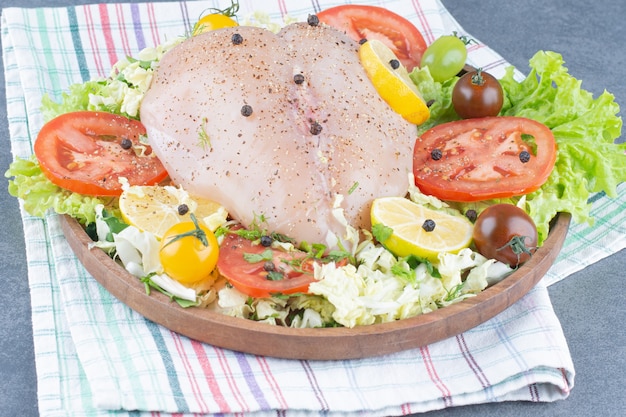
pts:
pixel 278 125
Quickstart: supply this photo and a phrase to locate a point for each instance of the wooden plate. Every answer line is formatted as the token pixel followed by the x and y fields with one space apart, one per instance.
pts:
pixel 332 343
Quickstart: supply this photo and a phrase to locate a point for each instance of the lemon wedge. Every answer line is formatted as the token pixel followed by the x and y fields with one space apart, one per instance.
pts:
pixel 391 80
pixel 410 223
pixel 156 208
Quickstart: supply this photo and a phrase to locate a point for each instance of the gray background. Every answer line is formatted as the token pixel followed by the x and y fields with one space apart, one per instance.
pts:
pixel 590 304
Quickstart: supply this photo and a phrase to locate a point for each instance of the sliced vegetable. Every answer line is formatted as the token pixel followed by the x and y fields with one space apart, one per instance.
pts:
pixel 189 252
pixel 477 94
pixel 392 82
pixel 261 271
pixel 371 22
pixel 407 228
pixel 485 158
pixel 506 233
pixel 84 152
pixel 156 208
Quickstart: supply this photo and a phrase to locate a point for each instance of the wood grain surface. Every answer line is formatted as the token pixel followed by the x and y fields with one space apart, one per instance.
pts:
pixel 316 344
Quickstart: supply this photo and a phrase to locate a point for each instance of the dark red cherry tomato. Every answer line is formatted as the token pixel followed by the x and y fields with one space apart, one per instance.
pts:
pixel 477 94
pixel 506 233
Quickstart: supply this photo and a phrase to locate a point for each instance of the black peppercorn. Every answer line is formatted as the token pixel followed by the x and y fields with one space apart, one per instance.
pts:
pixel 362 41
pixel 313 20
pixel 316 128
pixel 183 209
pixel 246 110
pixel 394 63
pixel 269 266
pixel 298 78
pixel 237 39
pixel 471 215
pixel 126 143
pixel 266 241
pixel 436 154
pixel 429 225
pixel 524 156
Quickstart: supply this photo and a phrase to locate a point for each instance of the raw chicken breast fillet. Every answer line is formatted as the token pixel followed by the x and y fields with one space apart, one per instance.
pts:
pixel 231 123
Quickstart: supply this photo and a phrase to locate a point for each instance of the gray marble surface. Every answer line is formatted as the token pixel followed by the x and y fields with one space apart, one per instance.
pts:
pixel 591 304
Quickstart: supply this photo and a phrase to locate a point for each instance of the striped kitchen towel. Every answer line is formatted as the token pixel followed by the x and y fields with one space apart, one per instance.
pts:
pixel 96 357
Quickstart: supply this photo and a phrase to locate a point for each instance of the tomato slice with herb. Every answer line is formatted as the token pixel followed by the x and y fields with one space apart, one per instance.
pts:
pixel 484 158
pixel 245 265
pixel 371 22
pixel 88 152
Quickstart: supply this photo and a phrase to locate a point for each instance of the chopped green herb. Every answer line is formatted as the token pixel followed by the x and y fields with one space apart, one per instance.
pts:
pixel 353 188
pixel 203 137
pixel 381 232
pixel 275 276
pixel 266 255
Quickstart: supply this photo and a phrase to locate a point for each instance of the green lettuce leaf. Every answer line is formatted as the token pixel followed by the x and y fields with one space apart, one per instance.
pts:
pixel 437 95
pixel 39 194
pixel 76 98
pixel 585 129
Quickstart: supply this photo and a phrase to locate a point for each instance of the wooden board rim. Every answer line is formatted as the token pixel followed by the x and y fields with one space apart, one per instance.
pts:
pixel 314 344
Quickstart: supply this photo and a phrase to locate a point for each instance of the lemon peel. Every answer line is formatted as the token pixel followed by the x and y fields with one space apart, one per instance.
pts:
pixel 392 81
pixel 156 208
pixel 451 232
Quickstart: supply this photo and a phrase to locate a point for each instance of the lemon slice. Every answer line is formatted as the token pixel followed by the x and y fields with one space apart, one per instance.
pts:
pixel 451 232
pixel 393 85
pixel 156 208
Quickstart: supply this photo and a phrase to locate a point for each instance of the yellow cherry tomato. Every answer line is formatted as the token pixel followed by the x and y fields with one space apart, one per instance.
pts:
pixel 188 252
pixel 211 22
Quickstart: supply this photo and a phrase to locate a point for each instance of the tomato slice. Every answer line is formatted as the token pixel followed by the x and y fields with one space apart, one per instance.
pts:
pixel 481 159
pixel 87 152
pixel 251 278
pixel 371 22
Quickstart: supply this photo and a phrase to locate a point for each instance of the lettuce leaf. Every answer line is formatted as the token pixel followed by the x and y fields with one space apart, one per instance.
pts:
pixel 38 194
pixel 76 98
pixel 585 129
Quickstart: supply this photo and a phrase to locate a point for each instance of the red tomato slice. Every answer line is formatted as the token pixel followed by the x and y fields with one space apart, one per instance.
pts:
pixel 82 152
pixel 252 278
pixel 479 159
pixel 371 22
